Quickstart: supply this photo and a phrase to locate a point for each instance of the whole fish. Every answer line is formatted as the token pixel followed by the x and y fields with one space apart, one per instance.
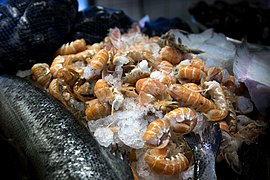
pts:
pixel 251 67
pixel 57 145
pixel 205 151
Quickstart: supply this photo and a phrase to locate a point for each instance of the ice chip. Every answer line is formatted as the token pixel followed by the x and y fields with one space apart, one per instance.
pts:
pixel 104 136
pixel 89 72
pixel 188 174
pixel 120 60
pixel 156 75
pixel 131 128
pixel 143 65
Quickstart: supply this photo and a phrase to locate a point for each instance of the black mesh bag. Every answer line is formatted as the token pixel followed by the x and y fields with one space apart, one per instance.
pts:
pixel 31 31
pixel 94 22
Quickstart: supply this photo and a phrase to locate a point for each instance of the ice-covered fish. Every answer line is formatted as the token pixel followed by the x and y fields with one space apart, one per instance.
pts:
pixel 205 151
pixel 251 66
pixel 53 140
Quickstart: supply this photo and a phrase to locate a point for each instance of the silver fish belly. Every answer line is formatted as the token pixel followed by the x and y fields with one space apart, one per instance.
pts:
pixel 53 140
pixel 205 151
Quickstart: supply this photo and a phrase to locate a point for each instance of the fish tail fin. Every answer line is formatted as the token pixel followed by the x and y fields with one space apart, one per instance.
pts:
pixel 212 136
pixel 193 140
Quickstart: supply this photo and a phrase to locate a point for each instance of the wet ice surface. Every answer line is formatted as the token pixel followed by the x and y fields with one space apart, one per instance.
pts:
pixel 128 125
pixel 104 136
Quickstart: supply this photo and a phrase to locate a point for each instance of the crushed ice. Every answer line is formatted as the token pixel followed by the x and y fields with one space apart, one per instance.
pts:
pixel 104 136
pixel 128 124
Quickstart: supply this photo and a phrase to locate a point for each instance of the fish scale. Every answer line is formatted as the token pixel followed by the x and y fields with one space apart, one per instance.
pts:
pixel 205 150
pixel 54 141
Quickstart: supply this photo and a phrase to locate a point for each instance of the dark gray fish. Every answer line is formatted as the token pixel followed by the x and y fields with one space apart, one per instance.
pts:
pixel 205 151
pixel 53 140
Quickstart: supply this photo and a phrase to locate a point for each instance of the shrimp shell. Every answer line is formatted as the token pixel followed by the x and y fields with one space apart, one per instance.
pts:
pixel 190 98
pixel 103 92
pixel 136 55
pixel 56 89
pixel 41 74
pixel 189 72
pixel 146 98
pixel 129 91
pixel 57 64
pixel 133 77
pixel 99 60
pixel 120 58
pixel 183 119
pixel 96 110
pixel 171 55
pixel 165 105
pixel 152 86
pixel 115 37
pixel 163 78
pixel 192 86
pixel 214 73
pixel 82 90
pixel 69 76
pixel 219 98
pixel 158 161
pixel 72 47
pixel 198 63
pixel 165 67
pixel 157 134
pixel 81 56
pixel 223 125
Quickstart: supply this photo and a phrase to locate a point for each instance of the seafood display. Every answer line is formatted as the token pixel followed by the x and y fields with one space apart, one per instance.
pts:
pixel 157 99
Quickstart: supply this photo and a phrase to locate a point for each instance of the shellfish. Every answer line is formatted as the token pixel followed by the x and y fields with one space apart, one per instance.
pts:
pixel 161 162
pixel 157 134
pixel 41 74
pixel 72 47
pixel 182 120
pixel 191 98
pixel 96 110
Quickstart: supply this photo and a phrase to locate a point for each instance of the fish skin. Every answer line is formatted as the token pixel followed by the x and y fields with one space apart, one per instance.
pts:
pixel 205 151
pixel 251 66
pixel 57 145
